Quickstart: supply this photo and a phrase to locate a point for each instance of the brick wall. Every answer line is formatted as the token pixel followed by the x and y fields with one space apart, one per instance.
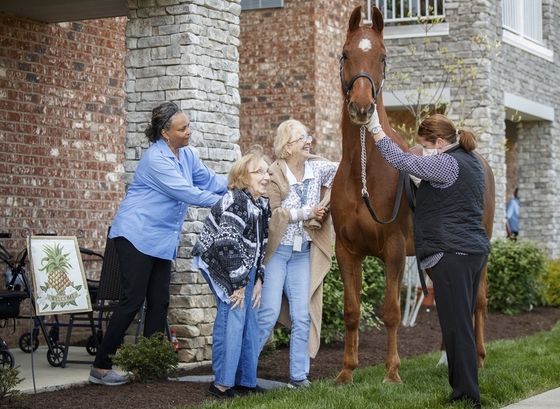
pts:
pixel 289 69
pixel 61 128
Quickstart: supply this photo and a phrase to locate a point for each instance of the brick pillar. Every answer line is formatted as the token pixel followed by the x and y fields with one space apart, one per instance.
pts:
pixel 186 53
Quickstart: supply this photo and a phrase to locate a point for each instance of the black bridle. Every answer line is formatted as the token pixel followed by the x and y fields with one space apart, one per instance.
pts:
pixel 347 87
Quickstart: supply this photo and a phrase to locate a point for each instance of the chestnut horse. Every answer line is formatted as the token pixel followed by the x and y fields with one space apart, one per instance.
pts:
pixel 390 236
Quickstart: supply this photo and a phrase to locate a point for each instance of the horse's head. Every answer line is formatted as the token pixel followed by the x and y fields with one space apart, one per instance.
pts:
pixel 362 65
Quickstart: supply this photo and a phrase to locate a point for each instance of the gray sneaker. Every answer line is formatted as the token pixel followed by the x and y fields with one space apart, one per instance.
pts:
pixel 304 383
pixel 111 378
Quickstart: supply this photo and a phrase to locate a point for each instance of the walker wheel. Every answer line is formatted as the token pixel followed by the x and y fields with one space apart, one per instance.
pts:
pixel 7 359
pixel 90 346
pixel 55 357
pixel 25 343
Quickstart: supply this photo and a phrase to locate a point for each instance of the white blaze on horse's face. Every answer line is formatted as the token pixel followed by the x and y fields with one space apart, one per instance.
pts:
pixel 364 45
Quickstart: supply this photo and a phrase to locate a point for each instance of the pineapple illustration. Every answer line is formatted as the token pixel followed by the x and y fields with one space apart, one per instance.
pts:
pixel 56 265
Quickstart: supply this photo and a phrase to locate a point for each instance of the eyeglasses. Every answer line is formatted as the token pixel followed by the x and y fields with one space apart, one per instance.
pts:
pixel 261 172
pixel 304 139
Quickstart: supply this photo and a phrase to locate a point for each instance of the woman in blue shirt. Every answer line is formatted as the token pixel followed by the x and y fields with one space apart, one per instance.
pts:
pixel 147 228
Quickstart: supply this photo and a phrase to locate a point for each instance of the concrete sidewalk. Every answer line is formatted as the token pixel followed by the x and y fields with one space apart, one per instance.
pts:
pixel 45 377
pixel 39 376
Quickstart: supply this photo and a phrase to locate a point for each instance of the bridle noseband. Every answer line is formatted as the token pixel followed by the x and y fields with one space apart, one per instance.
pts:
pixel 374 92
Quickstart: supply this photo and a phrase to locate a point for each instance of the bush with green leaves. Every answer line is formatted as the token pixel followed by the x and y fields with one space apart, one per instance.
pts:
pixel 551 293
pixel 515 275
pixel 151 358
pixel 9 396
pixel 373 292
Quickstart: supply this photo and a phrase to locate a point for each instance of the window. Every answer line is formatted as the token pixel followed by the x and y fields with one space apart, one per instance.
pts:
pixel 397 12
pixel 400 17
pixel 261 4
pixel 524 18
pixel 522 21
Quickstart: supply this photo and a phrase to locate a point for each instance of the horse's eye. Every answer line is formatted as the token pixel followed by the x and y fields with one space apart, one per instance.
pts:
pixel 344 55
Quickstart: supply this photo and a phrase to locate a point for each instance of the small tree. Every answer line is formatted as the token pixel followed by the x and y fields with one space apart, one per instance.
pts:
pixel 458 75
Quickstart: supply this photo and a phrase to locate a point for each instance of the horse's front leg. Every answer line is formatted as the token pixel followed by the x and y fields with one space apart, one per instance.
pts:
pixel 351 272
pixel 479 316
pixel 391 315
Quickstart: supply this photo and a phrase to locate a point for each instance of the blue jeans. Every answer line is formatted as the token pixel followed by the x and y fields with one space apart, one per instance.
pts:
pixel 235 349
pixel 288 271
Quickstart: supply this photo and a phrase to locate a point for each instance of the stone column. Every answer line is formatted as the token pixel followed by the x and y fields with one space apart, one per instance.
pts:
pixel 186 52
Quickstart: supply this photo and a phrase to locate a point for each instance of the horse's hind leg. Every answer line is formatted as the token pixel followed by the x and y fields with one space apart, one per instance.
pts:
pixel 479 315
pixel 351 272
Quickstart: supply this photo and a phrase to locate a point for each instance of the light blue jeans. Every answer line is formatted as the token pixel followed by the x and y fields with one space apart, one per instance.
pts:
pixel 235 348
pixel 288 271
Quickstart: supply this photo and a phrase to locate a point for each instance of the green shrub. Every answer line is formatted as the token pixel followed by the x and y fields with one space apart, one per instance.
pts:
pixel 551 293
pixel 515 272
pixel 151 358
pixel 9 379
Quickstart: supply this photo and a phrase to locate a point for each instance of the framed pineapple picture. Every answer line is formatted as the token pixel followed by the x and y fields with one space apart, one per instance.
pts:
pixel 59 281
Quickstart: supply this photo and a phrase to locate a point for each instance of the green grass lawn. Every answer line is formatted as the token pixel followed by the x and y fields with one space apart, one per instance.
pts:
pixel 514 370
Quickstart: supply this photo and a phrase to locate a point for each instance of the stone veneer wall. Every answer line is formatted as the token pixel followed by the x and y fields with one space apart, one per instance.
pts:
pixel 186 52
pixel 538 144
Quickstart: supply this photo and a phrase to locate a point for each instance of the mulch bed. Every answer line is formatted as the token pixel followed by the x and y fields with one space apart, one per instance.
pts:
pixel 423 338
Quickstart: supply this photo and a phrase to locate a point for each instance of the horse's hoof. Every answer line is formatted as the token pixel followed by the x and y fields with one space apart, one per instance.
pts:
pixel 344 378
pixel 393 379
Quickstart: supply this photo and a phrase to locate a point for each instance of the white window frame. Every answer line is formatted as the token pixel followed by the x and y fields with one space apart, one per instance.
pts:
pixel 394 27
pixel 261 4
pixel 413 6
pixel 523 27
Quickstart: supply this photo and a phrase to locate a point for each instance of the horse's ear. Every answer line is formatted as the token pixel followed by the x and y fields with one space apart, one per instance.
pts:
pixel 355 19
pixel 377 20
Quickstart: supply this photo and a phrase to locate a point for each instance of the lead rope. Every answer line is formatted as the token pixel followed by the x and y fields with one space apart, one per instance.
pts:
pixel 363 160
pixel 365 195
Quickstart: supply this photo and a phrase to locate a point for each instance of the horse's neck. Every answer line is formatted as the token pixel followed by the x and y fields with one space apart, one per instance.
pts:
pixel 387 128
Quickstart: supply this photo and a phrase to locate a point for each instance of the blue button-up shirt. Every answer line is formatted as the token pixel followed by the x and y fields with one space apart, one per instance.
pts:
pixel 156 203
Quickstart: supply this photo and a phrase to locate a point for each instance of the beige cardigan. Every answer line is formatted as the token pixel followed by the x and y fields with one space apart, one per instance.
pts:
pixel 321 249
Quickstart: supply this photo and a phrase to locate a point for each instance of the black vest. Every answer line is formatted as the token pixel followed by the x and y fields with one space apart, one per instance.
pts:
pixel 450 220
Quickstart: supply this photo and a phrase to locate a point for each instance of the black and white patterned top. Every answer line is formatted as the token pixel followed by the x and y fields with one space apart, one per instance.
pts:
pixel 441 170
pixel 233 239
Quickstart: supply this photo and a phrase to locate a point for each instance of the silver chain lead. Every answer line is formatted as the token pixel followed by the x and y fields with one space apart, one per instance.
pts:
pixel 363 160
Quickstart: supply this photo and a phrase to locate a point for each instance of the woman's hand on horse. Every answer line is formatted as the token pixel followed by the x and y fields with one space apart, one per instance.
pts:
pixel 373 125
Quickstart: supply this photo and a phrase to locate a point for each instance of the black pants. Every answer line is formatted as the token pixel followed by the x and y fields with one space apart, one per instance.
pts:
pixel 143 277
pixel 456 279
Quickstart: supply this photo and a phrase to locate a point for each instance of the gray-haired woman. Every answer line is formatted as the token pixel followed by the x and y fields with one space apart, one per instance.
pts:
pixel 147 228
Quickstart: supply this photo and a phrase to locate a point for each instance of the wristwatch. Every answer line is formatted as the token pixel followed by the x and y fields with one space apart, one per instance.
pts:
pixel 376 129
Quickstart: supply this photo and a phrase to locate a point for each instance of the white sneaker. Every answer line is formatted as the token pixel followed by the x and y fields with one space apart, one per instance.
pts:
pixel 111 378
pixel 304 383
